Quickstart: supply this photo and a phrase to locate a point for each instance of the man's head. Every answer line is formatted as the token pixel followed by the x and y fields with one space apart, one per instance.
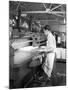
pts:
pixel 46 29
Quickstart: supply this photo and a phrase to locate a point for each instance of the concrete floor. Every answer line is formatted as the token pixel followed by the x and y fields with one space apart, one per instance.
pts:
pixel 60 80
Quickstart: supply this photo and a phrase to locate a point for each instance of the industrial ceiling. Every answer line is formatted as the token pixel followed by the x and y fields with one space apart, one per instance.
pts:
pixel 40 11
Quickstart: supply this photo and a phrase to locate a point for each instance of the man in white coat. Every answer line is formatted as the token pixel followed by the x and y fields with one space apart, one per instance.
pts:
pixel 50 50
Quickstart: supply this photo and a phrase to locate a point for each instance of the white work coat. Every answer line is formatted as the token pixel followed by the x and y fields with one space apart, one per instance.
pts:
pixel 50 56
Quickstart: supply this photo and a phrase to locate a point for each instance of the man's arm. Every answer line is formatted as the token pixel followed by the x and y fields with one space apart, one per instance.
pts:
pixel 46 49
pixel 50 47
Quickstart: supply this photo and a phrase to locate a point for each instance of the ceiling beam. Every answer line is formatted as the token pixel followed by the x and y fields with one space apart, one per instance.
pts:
pixel 44 5
pixel 58 15
pixel 46 20
pixel 18 6
pixel 56 7
pixel 50 6
pixel 49 12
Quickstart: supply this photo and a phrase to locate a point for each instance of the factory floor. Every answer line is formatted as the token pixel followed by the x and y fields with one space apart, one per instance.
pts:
pixel 59 80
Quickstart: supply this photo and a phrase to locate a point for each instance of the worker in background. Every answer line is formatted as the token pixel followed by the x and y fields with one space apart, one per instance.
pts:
pixel 49 50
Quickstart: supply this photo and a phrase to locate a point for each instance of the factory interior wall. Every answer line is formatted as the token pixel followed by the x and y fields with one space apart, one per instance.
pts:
pixel 55 26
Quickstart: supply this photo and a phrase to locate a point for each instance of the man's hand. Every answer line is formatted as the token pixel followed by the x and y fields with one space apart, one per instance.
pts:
pixel 42 49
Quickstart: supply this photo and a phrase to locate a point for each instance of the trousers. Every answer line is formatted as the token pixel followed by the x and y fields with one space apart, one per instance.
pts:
pixel 48 63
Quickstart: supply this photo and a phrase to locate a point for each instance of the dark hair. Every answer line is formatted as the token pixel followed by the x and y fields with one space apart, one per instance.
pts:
pixel 47 27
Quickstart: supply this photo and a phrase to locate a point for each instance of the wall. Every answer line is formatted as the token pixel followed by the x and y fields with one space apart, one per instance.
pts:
pixel 55 26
